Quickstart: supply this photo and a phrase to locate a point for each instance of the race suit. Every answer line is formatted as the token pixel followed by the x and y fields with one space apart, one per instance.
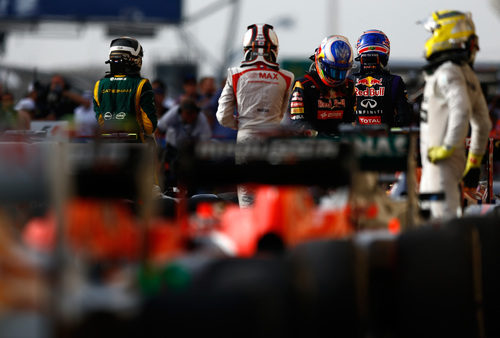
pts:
pixel 452 100
pixel 381 99
pixel 253 97
pixel 125 110
pixel 124 104
pixel 315 106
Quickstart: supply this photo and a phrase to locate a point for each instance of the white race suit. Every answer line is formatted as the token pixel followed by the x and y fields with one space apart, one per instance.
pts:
pixel 453 101
pixel 253 97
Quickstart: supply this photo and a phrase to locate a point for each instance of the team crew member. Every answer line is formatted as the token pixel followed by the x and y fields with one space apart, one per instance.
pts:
pixel 123 100
pixel 452 102
pixel 381 97
pixel 324 97
pixel 255 94
pixel 184 124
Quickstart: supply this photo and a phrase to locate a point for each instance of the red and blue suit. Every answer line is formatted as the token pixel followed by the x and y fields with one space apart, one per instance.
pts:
pixel 317 107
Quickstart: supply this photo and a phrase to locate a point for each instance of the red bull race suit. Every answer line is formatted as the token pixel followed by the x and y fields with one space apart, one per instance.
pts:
pixel 381 99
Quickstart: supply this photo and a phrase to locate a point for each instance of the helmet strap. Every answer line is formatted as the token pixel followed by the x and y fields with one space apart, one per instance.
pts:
pixel 370 62
pixel 458 57
pixel 120 67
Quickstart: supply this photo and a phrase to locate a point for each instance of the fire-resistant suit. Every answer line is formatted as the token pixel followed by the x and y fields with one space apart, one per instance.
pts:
pixel 316 106
pixel 381 98
pixel 253 96
pixel 452 101
pixel 125 104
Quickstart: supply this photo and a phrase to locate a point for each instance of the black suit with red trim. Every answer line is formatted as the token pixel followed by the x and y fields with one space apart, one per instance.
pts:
pixel 313 105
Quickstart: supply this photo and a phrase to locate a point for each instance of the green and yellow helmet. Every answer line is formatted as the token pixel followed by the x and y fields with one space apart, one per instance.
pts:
pixel 451 31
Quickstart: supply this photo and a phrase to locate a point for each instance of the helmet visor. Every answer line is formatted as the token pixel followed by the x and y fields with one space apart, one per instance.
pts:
pixel 332 72
pixel 337 74
pixel 125 42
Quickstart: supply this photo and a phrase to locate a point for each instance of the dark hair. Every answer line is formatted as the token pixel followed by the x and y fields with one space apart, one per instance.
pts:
pixel 161 86
pixel 189 78
pixel 189 105
pixel 160 83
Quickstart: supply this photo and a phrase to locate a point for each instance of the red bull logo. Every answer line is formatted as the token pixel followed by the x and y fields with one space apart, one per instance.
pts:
pixel 333 103
pixel 339 102
pixel 370 92
pixel 324 104
pixel 369 81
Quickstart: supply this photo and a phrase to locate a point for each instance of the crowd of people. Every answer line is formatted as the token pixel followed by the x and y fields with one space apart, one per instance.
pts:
pixel 56 100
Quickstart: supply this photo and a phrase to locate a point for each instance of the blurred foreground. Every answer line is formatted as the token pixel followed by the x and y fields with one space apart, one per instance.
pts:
pixel 87 250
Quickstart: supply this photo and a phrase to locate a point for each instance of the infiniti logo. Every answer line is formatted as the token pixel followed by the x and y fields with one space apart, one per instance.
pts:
pixel 368 103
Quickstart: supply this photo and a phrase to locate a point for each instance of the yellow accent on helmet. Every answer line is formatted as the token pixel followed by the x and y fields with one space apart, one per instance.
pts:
pixel 450 30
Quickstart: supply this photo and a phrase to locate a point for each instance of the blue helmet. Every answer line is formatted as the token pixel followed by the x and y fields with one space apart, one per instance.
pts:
pixel 333 59
pixel 374 43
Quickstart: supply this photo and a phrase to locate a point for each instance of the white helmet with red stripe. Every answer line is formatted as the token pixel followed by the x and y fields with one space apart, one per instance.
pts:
pixel 260 44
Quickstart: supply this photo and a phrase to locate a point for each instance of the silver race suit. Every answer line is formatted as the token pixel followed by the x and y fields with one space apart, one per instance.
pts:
pixel 453 101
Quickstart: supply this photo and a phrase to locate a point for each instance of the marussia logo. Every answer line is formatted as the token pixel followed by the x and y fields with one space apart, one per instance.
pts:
pixel 268 76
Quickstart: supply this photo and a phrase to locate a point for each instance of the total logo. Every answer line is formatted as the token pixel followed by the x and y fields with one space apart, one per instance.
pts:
pixel 369 81
pixel 370 120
